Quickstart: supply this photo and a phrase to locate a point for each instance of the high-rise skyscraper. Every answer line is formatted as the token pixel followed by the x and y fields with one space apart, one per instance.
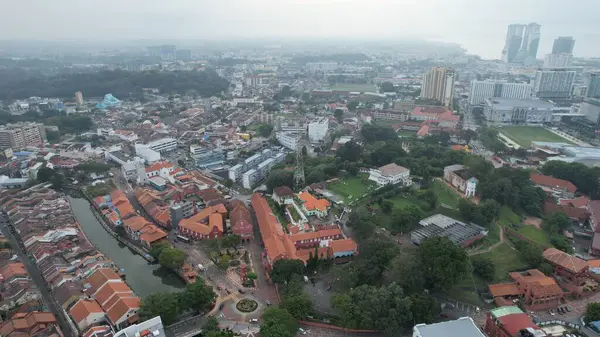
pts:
pixel 521 44
pixel 438 84
pixel 593 86
pixel 558 60
pixel 514 38
pixel 79 98
pixel 563 45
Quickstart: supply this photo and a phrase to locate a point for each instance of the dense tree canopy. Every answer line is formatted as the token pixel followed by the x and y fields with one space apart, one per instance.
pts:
pixel 350 151
pixel 485 268
pixel 443 263
pixel 164 305
pixel 586 179
pixel 278 322
pixel 384 309
pixel 120 83
pixel 171 258
pixel 592 312
pixel 284 270
pixel 373 132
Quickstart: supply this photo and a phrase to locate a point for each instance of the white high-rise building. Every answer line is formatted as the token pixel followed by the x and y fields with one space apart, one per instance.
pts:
pixel 554 83
pixel 438 84
pixel 480 90
pixel 522 43
pixel 317 129
pixel 514 38
pixel 558 60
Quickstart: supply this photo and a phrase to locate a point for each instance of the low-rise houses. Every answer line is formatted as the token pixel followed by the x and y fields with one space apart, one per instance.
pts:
pixel 240 220
pixel 283 195
pixel 556 187
pixel 390 174
pixel 510 322
pixel 83 281
pixel 30 324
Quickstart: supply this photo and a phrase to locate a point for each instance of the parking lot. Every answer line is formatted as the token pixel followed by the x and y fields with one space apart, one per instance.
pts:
pixel 321 297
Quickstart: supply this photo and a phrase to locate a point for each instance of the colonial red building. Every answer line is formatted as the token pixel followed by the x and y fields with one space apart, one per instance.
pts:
pixel 207 224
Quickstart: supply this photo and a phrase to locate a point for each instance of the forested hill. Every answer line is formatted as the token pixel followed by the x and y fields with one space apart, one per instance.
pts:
pixel 120 83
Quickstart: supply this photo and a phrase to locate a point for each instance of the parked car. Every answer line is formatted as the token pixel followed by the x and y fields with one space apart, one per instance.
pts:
pixel 253 320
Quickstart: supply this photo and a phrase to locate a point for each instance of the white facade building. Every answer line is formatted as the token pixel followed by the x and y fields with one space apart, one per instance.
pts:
pixel 480 90
pixel 317 129
pixel 163 145
pixel 390 174
pixel 529 111
pixel 553 83
pixel 149 155
pixel 558 60
pixel 289 140
pixel 253 176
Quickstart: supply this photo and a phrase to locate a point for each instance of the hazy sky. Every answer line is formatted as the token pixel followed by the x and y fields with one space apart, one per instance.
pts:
pixel 478 25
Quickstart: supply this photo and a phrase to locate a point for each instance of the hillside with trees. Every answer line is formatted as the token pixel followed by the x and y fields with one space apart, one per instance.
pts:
pixel 120 83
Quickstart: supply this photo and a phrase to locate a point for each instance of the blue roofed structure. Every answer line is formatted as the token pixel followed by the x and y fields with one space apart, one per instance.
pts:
pixel 108 102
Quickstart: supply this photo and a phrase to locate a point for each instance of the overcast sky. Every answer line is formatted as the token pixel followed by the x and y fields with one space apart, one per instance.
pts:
pixel 478 25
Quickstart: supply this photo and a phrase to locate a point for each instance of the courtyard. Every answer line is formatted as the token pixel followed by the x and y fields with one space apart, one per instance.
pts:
pixel 524 135
pixel 352 188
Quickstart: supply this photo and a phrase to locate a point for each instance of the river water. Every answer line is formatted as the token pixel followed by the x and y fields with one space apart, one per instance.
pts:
pixel 142 277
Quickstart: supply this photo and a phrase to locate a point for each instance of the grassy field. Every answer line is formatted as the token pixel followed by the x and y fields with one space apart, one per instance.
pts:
pixel 536 235
pixel 351 188
pixel 355 87
pixel 507 216
pixel 505 259
pixel 524 135
pixel 445 194
pixel 406 133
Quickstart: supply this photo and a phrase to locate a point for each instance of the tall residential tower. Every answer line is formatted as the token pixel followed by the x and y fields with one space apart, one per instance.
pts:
pixel 438 84
pixel 521 44
pixel 563 45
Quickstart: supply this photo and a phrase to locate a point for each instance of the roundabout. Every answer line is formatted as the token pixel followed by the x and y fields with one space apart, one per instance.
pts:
pixel 246 305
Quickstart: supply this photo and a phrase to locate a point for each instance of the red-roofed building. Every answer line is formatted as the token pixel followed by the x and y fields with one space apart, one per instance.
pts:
pixel 86 312
pixel 566 265
pixel 536 291
pixel 579 215
pixel 99 331
pixel 314 206
pixel 509 322
pixel 553 185
pixel 240 220
pixel 313 239
pixel 207 224
pixel 160 168
pixel 594 209
pixel 442 115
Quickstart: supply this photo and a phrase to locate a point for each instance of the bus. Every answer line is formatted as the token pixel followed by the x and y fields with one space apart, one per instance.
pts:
pixel 183 238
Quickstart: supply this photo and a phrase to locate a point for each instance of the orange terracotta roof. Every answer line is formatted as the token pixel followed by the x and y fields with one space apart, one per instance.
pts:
pixel 151 234
pixel 343 245
pixel 593 263
pixel 26 324
pixel 566 261
pixel 504 289
pixel 13 269
pixel 117 197
pixel 85 307
pixel 277 244
pixel 305 254
pixel 316 235
pixel 99 331
pixel 122 307
pixel 423 131
pixel 552 182
pixel 311 203
pixel 125 209
pixel 136 223
pixel 109 290
pixel 99 278
pixel 158 166
pixel 205 220
pixel 580 202
pixel 176 171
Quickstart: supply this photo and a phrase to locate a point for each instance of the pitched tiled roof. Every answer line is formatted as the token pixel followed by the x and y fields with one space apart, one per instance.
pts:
pixel 552 182
pixel 209 194
pixel 204 221
pixel 315 235
pixel 109 290
pixel 343 245
pixel 12 269
pixel 99 278
pixel 121 307
pixel 580 202
pixel 158 166
pixel 85 307
pixel 136 223
pixel 99 331
pixel 504 289
pixel 580 214
pixel 277 244
pixel 311 203
pixel 566 261
pixel 540 284
pixel 516 322
pixel 26 324
pixel 151 234
pixel 283 191
pixel 392 169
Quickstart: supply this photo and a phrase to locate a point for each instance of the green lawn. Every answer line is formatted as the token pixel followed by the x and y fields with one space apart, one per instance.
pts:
pixel 406 133
pixel 505 259
pixel 524 135
pixel 355 87
pixel 536 235
pixel 445 194
pixel 507 216
pixel 351 188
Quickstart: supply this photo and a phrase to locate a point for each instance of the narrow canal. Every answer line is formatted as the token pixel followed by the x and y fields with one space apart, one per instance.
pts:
pixel 142 277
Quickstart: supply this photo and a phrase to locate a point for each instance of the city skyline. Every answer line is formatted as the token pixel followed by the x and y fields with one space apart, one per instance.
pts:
pixel 183 19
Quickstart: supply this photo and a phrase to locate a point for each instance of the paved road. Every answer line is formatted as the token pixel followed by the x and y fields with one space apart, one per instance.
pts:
pixel 36 276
